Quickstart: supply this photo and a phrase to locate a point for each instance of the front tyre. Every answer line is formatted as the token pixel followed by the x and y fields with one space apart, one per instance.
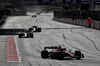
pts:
pixel 44 54
pixel 77 55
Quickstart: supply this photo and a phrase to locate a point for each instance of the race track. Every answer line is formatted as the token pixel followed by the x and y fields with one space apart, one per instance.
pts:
pixel 70 36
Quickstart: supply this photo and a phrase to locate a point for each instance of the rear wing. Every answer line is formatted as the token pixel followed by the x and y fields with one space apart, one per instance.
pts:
pixel 51 47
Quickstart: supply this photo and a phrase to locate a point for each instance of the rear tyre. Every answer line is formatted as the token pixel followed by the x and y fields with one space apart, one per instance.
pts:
pixel 77 55
pixel 78 58
pixel 82 55
pixel 31 35
pixel 44 54
pixel 39 30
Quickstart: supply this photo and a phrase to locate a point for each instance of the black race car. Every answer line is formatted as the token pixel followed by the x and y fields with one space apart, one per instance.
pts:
pixel 29 33
pixel 57 52
pixel 34 29
pixel 25 34
pixel 33 16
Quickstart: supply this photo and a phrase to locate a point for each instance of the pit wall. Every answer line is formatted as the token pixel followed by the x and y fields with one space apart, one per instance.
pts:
pixel 81 22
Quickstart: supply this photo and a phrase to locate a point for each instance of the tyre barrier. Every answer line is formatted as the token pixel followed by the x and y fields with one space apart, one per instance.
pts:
pixel 81 22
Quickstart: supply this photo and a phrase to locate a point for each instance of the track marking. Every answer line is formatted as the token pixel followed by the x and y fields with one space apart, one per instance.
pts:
pixel 17 49
pixel 12 55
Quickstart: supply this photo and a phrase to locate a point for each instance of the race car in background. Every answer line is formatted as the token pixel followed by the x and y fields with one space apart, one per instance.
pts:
pixel 33 16
pixel 29 33
pixel 25 34
pixel 57 52
pixel 34 29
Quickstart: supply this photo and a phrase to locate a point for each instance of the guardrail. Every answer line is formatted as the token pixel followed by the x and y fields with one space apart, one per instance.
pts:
pixel 81 22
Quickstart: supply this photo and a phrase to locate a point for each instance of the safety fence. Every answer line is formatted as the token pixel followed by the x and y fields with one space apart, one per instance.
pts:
pixel 95 15
pixel 2 20
pixel 81 22
pixel 3 15
pixel 2 12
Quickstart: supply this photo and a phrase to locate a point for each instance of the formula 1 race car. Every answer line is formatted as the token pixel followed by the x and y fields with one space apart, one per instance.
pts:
pixel 33 16
pixel 57 52
pixel 29 33
pixel 34 29
pixel 38 13
pixel 25 35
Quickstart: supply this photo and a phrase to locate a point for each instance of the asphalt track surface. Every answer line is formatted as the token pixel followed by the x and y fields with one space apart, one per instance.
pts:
pixel 70 36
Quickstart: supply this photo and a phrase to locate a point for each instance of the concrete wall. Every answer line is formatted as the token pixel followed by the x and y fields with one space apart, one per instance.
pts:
pixel 95 24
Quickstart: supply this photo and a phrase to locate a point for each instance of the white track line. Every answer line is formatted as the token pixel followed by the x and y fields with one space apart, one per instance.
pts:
pixel 17 49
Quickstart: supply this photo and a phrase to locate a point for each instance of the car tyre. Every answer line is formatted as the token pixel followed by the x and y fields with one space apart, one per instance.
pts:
pixel 82 55
pixel 44 54
pixel 78 55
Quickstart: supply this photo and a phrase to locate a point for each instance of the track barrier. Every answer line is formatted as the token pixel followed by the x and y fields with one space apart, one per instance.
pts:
pixel 81 22
pixel 10 31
